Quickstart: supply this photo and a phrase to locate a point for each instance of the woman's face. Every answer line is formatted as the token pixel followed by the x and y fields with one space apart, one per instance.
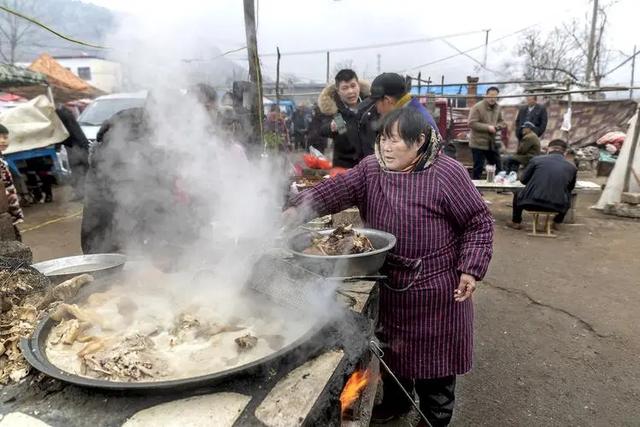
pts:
pixel 396 153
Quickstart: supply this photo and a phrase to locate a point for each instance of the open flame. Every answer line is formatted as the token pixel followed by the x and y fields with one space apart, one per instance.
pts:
pixel 353 388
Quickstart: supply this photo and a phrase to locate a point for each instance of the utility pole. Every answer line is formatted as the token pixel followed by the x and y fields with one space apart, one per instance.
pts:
pixel 379 57
pixel 278 77
pixel 633 70
pixel 255 75
pixel 592 42
pixel 486 48
pixel 328 64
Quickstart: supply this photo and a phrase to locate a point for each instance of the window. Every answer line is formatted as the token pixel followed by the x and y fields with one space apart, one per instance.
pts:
pixel 84 73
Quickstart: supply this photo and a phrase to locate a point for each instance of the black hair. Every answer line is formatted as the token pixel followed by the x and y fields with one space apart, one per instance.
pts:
pixel 345 76
pixel 493 88
pixel 411 124
pixel 4 130
pixel 559 143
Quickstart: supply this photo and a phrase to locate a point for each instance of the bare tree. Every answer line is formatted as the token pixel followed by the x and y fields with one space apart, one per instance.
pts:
pixel 562 53
pixel 550 57
pixel 16 32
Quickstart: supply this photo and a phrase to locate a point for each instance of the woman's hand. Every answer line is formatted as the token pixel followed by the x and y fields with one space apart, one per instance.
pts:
pixel 465 288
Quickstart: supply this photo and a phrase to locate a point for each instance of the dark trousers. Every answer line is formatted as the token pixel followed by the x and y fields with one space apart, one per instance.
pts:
pixel 511 165
pixel 437 397
pixel 517 211
pixel 480 157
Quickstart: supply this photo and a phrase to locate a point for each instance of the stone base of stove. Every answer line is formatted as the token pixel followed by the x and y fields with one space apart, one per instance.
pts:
pixel 308 395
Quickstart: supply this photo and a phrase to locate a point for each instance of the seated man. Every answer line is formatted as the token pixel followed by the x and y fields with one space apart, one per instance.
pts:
pixel 549 181
pixel 528 148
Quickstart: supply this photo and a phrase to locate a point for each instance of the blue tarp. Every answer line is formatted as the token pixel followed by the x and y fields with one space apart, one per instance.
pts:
pixel 447 90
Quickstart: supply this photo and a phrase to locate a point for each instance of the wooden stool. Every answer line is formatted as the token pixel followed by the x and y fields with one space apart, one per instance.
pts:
pixel 547 223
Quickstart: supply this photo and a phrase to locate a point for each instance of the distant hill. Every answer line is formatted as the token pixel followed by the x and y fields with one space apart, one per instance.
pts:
pixel 82 21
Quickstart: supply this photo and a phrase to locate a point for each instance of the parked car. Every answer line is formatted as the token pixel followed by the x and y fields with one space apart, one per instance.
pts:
pixel 104 107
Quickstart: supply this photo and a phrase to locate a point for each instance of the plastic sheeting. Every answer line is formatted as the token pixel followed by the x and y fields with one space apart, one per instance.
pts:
pixel 615 184
pixel 32 125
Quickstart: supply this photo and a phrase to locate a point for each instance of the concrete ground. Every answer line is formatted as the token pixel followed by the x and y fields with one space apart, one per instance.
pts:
pixel 556 319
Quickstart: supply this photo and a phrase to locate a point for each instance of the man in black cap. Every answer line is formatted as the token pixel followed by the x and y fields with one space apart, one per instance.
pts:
pixel 528 148
pixel 391 91
pixel 549 181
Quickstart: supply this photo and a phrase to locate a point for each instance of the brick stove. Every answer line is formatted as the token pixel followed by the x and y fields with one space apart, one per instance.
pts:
pixel 301 389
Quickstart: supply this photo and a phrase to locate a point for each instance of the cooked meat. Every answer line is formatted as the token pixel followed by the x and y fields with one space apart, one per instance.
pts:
pixel 246 342
pixel 344 240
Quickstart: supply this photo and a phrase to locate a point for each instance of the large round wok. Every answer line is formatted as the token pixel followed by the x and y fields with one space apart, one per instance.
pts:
pixel 34 347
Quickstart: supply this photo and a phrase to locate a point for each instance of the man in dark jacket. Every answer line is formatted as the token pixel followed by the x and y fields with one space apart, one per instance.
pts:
pixel 338 104
pixel 391 91
pixel 528 148
pixel 549 181
pixel 77 150
pixel 534 113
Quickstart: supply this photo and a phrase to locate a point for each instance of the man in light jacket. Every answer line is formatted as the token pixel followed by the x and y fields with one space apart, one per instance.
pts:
pixel 485 121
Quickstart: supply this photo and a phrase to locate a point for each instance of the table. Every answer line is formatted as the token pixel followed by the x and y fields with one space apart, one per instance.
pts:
pixel 581 187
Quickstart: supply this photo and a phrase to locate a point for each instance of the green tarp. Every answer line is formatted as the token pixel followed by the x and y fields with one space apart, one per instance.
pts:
pixel 12 76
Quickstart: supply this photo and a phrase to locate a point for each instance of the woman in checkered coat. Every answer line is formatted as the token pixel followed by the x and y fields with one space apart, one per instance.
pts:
pixel 444 237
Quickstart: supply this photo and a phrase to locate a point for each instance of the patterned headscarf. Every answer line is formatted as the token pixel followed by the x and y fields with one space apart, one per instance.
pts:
pixel 427 154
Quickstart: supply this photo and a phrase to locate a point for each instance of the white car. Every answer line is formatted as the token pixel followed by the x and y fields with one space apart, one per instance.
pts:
pixel 104 107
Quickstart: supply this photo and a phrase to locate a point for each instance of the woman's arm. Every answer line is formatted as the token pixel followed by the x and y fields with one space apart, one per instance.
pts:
pixel 471 218
pixel 332 195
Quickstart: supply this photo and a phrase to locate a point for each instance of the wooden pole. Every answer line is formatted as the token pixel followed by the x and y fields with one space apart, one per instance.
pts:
pixel 633 70
pixel 278 78
pixel 255 75
pixel 632 152
pixel 592 42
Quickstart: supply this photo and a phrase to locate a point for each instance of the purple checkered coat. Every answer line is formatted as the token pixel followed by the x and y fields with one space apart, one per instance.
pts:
pixel 443 229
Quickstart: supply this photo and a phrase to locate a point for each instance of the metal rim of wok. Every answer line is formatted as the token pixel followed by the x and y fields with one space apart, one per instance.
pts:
pixel 368 232
pixel 105 263
pixel 33 349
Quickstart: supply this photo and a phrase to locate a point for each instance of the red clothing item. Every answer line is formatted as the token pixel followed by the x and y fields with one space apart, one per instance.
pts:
pixel 12 195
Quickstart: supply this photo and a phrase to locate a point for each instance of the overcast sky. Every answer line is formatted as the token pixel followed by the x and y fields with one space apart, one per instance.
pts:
pixel 295 25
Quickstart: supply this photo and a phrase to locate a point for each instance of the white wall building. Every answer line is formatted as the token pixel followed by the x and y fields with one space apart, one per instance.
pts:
pixel 100 73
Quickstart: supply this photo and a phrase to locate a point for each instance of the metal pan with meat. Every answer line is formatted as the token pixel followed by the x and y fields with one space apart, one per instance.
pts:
pixel 344 251
pixel 150 328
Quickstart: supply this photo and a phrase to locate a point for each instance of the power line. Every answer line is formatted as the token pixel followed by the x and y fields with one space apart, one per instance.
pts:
pixel 51 30
pixel 471 57
pixel 469 50
pixel 370 46
pixel 621 64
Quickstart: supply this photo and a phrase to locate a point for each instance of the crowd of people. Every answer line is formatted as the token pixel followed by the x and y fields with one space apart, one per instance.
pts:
pixel 399 177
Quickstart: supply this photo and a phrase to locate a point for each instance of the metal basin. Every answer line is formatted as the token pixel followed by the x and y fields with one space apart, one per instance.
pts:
pixel 366 264
pixel 60 269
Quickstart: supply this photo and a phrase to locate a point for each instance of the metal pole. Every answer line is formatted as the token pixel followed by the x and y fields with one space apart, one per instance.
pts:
pixel 632 152
pixel 486 47
pixel 379 58
pixel 633 70
pixel 592 41
pixel 278 78
pixel 328 63
pixel 420 83
pixel 442 86
pixel 255 75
